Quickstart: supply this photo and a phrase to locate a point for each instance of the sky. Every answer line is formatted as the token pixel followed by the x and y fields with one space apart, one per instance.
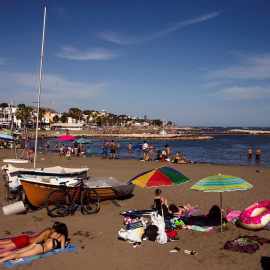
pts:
pixel 194 63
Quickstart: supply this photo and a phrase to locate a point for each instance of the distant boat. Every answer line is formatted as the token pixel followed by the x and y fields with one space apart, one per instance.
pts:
pixel 107 188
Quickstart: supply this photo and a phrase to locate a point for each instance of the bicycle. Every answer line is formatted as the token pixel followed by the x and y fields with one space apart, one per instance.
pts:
pixel 62 202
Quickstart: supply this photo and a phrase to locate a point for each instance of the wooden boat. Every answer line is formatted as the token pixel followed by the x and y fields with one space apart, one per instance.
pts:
pixel 53 173
pixel 107 188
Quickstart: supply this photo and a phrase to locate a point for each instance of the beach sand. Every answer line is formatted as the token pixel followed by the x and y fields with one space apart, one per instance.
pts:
pixel 99 232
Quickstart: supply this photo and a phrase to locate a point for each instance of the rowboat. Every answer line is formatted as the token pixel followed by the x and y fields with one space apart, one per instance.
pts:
pixel 11 172
pixel 108 188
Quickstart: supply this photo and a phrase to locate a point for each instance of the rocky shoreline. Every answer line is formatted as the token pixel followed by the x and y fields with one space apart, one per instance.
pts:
pixel 85 134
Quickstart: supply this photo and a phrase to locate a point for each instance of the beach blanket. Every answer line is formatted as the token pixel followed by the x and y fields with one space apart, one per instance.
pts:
pixel 13 263
pixel 233 215
pixel 199 228
pixel 2 250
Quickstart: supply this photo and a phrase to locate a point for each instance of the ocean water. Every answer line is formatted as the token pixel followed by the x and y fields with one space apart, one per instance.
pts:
pixel 224 149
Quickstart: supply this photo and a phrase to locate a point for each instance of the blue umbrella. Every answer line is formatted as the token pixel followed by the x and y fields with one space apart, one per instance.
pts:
pixel 5 136
pixel 83 141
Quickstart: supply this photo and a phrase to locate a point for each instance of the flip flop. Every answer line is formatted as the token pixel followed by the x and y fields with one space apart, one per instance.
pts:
pixel 192 252
pixel 176 249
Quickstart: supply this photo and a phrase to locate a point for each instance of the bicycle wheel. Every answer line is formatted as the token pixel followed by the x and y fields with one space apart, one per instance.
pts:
pixel 57 203
pixel 90 201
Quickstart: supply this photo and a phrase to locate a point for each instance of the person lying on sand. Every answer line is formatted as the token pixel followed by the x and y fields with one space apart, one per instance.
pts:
pixel 24 240
pixel 181 209
pixel 57 239
pixel 214 212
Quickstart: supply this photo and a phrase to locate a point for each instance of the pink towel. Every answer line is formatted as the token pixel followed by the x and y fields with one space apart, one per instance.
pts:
pixel 233 214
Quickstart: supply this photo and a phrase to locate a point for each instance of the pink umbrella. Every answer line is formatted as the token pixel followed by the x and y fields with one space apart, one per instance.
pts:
pixel 67 138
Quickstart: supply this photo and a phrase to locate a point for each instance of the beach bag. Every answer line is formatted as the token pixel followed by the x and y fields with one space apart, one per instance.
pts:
pixel 159 222
pixel 151 232
pixel 171 233
pixel 243 245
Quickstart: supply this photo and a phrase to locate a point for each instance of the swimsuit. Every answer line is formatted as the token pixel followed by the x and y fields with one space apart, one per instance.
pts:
pixel 56 242
pixel 42 247
pixel 21 241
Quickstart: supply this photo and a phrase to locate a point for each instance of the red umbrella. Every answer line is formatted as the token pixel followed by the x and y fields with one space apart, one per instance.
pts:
pixel 67 138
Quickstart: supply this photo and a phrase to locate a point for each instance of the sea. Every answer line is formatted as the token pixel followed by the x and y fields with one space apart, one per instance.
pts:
pixel 224 149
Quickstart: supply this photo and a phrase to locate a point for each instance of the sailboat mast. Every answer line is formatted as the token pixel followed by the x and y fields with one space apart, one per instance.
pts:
pixel 39 88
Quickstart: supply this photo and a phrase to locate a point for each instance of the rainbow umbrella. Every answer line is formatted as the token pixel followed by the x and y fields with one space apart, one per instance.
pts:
pixel 163 176
pixel 221 183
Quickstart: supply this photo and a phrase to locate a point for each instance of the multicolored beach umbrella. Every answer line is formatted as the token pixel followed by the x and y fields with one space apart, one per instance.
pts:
pixel 163 176
pixel 221 183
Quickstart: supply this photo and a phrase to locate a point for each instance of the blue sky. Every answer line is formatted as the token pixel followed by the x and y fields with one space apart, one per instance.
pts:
pixel 195 63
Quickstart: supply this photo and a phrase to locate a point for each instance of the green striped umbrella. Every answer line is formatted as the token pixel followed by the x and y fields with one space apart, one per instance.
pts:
pixel 221 183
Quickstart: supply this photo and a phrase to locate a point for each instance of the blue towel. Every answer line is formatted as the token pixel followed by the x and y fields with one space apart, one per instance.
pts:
pixel 13 263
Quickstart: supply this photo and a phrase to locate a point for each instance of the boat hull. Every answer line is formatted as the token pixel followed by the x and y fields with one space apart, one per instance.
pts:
pixel 37 192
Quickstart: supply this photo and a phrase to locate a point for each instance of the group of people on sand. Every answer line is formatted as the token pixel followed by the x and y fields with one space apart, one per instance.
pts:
pixel 161 204
pixel 164 155
pixel 257 153
pixel 48 240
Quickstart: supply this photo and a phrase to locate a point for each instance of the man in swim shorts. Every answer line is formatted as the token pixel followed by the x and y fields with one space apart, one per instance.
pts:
pixel 104 149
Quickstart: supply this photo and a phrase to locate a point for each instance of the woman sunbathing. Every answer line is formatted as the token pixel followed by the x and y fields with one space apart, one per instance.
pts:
pixel 181 209
pixel 57 239
pixel 214 212
pixel 25 240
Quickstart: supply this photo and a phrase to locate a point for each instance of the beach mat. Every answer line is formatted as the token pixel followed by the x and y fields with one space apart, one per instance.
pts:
pixel 25 260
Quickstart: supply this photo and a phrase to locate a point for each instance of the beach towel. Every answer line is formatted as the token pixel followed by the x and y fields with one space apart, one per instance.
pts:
pixel 233 215
pixel 13 263
pixel 199 228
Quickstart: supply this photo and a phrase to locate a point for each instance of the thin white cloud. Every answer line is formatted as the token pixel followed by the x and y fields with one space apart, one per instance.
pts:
pixel 69 52
pixel 252 67
pixel 244 93
pixel 24 88
pixel 125 40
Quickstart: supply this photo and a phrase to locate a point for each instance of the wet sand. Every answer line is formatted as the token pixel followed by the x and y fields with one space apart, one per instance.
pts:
pixel 99 232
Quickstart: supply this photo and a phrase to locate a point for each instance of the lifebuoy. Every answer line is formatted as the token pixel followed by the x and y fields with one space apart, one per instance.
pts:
pixel 256 216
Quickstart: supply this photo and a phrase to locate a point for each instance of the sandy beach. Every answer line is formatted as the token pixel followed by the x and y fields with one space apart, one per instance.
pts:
pixel 99 232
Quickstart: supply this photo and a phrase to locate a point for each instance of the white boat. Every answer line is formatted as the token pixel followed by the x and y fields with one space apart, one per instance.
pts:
pixel 11 174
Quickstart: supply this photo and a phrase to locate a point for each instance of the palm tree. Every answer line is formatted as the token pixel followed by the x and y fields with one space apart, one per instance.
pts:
pixel 42 112
pixel 23 113
pixel 75 113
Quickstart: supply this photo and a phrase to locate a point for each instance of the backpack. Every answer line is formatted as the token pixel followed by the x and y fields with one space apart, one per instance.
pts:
pixel 151 232
pixel 242 244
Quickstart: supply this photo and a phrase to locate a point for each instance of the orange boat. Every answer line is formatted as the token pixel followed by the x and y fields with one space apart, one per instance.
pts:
pixel 108 188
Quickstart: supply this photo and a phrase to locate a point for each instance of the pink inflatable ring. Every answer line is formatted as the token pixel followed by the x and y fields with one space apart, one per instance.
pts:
pixel 255 216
